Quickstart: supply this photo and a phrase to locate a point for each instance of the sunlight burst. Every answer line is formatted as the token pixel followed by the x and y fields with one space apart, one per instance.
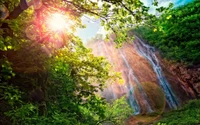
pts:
pixel 58 22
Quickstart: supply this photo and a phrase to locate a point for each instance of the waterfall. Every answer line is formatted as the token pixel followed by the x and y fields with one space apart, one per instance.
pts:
pixel 131 95
pixel 122 62
pixel 110 87
pixel 149 53
pixel 107 53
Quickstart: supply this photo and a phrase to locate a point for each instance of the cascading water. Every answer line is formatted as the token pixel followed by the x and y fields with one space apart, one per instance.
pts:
pixel 140 71
pixel 107 53
pixel 110 87
pixel 131 95
pixel 149 53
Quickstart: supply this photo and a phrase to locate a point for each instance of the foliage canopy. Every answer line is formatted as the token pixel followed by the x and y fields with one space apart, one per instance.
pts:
pixel 49 77
pixel 176 33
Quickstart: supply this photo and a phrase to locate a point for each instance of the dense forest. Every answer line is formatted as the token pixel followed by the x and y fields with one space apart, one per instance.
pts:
pixel 48 77
pixel 176 33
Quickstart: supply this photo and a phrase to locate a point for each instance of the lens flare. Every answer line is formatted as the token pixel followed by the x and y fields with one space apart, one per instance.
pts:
pixel 58 22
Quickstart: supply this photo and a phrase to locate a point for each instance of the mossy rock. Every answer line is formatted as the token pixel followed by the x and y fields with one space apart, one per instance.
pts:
pixel 155 96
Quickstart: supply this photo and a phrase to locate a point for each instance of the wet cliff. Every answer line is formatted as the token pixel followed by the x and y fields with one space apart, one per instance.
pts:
pixel 188 76
pixel 149 82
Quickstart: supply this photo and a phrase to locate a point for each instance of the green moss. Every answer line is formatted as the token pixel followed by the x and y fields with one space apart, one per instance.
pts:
pixel 189 114
pixel 155 95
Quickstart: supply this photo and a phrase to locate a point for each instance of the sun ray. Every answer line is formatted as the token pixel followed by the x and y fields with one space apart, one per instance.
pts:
pixel 59 22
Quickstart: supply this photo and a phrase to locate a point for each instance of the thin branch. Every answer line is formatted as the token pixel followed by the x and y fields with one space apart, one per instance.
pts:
pixel 83 9
pixel 130 11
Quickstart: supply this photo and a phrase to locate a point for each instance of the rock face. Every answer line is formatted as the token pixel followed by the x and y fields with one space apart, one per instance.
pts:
pixel 142 71
pixel 189 76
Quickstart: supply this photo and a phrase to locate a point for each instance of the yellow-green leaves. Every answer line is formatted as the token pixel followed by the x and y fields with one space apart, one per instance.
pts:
pixel 168 17
pixel 118 111
pixel 123 15
pixel 6 70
